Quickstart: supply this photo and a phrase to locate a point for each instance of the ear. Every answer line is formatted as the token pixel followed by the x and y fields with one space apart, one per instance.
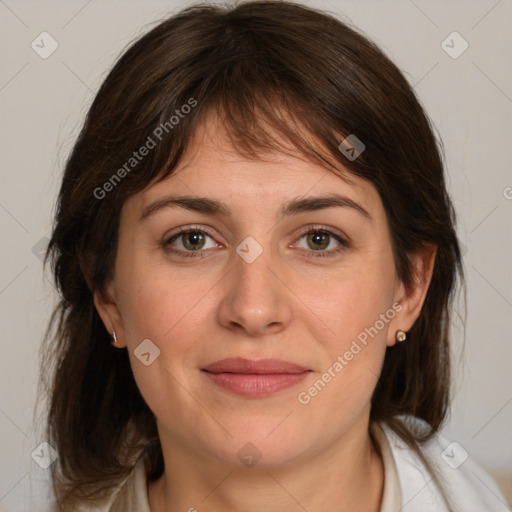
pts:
pixel 411 298
pixel 105 302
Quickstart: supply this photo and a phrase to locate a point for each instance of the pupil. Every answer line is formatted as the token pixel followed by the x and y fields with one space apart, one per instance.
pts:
pixel 317 239
pixel 196 238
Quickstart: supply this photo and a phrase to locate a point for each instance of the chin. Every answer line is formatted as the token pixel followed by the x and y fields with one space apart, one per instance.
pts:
pixel 259 444
pixel 263 455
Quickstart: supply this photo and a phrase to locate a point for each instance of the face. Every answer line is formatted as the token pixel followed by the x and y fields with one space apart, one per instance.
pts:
pixel 273 273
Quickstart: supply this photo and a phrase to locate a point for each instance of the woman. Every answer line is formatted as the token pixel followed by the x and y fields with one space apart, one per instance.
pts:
pixel 257 259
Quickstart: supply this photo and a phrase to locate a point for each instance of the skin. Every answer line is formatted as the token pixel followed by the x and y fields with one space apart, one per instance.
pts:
pixel 286 304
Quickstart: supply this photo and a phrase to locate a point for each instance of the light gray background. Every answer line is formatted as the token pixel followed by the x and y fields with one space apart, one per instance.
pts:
pixel 469 99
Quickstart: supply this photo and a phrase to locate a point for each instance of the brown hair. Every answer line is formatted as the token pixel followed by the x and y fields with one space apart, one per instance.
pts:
pixel 261 64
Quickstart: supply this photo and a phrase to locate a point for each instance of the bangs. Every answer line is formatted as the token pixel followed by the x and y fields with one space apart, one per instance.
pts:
pixel 259 123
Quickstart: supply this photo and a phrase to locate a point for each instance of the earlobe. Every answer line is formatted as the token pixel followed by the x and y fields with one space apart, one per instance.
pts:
pixel 412 297
pixel 104 301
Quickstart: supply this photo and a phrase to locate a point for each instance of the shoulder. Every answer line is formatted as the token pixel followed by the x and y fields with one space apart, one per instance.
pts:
pixel 469 486
pixel 131 494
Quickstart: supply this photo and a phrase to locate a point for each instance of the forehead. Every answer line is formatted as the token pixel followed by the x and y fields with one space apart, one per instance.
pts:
pixel 212 158
pixel 212 166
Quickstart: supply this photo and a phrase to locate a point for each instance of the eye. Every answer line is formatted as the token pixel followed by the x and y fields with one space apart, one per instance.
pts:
pixel 190 240
pixel 318 240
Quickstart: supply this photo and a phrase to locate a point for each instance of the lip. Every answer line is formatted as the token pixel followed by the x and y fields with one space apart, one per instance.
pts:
pixel 260 366
pixel 255 378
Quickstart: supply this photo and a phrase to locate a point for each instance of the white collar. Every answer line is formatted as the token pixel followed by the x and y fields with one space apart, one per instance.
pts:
pixel 470 486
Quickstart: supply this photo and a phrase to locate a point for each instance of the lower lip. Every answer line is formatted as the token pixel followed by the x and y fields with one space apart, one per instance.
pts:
pixel 255 385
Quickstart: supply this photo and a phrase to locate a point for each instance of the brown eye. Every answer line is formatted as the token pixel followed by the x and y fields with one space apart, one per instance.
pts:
pixel 318 241
pixel 193 240
pixel 190 241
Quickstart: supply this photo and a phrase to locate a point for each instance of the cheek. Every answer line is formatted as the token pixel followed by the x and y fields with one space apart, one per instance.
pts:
pixel 164 308
pixel 356 310
pixel 353 303
pixel 155 298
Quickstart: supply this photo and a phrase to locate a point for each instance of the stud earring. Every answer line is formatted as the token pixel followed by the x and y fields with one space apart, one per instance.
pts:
pixel 114 337
pixel 400 336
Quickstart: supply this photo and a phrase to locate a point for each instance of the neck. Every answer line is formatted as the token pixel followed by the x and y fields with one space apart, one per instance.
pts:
pixel 349 476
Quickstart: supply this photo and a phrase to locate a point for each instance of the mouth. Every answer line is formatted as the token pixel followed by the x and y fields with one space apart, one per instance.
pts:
pixel 255 379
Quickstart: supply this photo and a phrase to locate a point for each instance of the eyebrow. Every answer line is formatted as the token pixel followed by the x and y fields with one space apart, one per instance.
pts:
pixel 213 207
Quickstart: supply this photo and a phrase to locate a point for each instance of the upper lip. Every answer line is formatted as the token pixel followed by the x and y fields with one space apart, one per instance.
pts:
pixel 248 366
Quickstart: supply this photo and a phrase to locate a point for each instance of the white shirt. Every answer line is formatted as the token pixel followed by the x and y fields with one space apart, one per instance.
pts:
pixel 408 486
pixel 470 487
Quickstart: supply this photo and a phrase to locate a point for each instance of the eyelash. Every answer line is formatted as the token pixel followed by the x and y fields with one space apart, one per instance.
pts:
pixel 344 244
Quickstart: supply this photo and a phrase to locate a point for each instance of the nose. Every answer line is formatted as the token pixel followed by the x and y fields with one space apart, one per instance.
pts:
pixel 256 299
